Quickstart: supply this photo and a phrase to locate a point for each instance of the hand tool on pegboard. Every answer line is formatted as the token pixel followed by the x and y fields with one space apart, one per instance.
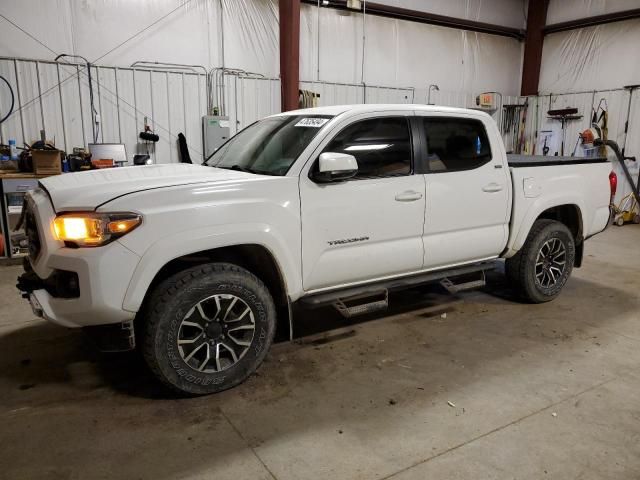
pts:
pixel 511 120
pixel 564 115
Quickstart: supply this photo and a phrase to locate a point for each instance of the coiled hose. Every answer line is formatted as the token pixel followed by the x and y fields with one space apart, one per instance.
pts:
pixel 12 99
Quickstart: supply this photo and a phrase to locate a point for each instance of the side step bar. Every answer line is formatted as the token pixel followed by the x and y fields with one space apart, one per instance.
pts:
pixel 351 307
pixel 459 287
pixel 382 287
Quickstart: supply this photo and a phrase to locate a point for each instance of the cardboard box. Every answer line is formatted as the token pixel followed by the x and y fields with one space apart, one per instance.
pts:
pixel 47 162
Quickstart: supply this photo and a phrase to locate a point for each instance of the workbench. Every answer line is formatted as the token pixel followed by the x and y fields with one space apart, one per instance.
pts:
pixel 13 186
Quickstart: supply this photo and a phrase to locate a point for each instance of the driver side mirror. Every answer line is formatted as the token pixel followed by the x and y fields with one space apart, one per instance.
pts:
pixel 335 167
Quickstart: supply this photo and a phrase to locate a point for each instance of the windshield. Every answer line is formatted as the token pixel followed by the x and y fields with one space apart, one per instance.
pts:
pixel 270 146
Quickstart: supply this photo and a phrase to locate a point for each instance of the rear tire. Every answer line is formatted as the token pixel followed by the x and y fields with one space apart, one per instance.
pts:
pixel 539 271
pixel 207 328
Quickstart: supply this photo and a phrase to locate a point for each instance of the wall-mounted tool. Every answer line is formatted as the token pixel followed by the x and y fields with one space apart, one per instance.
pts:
pixel 545 147
pixel 150 139
pixel 600 119
pixel 631 88
pixel 564 115
pixel 514 118
pixel 149 136
pixel 599 130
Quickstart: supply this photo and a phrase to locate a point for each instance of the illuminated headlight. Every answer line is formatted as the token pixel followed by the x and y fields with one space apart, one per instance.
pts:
pixel 93 229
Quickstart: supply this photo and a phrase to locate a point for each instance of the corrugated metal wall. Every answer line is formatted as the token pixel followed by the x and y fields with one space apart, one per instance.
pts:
pixel 55 97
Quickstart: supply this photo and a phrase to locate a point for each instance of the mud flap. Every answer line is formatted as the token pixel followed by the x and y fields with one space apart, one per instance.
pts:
pixel 119 337
pixel 579 252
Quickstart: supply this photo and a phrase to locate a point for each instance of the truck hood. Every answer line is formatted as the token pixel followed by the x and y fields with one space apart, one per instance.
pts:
pixel 88 190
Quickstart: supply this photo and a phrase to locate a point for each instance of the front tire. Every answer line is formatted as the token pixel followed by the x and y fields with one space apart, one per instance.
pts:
pixel 206 329
pixel 539 271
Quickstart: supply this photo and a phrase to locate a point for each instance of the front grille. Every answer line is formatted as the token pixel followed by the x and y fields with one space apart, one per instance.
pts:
pixel 31 231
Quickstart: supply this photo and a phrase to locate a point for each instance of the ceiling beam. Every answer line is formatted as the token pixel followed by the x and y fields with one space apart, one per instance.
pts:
pixel 389 11
pixel 591 21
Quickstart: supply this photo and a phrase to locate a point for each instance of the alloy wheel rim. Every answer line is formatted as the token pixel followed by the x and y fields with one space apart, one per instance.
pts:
pixel 216 333
pixel 551 262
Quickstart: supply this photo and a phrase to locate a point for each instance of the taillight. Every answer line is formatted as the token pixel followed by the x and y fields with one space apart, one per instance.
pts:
pixel 613 184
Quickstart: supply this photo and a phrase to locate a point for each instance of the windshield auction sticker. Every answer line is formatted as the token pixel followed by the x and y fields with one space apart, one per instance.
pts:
pixel 311 122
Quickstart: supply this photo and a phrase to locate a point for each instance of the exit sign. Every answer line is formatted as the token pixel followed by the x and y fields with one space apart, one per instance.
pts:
pixel 486 100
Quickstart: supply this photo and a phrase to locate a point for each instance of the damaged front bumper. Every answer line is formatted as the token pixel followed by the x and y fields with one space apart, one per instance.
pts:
pixel 112 337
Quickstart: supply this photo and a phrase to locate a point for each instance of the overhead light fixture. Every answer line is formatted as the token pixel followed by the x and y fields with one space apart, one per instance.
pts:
pixel 354 4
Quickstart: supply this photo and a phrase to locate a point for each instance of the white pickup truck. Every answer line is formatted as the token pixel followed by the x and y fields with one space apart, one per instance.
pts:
pixel 197 264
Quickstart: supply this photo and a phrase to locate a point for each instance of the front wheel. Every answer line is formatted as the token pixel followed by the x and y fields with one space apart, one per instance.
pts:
pixel 207 328
pixel 542 266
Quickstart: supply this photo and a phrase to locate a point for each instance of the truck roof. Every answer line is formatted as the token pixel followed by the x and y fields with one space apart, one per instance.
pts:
pixel 372 107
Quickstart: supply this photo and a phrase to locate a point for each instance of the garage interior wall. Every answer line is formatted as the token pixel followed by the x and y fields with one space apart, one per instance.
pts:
pixel 401 59
pixel 584 66
pixel 404 53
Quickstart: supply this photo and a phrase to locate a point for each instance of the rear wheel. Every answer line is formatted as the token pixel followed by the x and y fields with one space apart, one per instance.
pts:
pixel 207 328
pixel 541 268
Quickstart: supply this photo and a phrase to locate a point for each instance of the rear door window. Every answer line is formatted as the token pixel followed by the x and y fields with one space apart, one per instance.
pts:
pixel 455 144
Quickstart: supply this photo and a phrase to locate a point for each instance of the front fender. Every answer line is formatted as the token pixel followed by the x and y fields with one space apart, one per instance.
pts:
pixel 197 240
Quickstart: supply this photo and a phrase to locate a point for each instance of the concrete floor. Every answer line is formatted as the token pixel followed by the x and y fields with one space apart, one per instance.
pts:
pixel 492 389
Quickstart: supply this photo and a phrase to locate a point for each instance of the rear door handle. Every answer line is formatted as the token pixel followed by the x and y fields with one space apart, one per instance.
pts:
pixel 408 196
pixel 492 187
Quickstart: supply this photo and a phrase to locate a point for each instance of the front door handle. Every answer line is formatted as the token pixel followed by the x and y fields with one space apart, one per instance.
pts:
pixel 492 187
pixel 408 196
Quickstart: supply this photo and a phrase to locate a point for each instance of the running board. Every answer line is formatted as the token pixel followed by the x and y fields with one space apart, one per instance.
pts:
pixel 349 307
pixel 378 288
pixel 459 287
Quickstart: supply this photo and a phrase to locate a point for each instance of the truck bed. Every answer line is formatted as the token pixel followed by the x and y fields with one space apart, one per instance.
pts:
pixel 585 187
pixel 517 161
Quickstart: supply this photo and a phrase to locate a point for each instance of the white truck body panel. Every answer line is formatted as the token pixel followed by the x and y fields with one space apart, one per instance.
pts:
pixel 537 189
pixel 86 190
pixel 262 210
pixel 337 217
pixel 467 216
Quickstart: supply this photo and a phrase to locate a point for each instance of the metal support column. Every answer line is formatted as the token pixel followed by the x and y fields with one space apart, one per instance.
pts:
pixel 534 39
pixel 289 53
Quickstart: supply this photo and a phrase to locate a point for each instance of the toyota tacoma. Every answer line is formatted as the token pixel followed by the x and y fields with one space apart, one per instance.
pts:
pixel 196 265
